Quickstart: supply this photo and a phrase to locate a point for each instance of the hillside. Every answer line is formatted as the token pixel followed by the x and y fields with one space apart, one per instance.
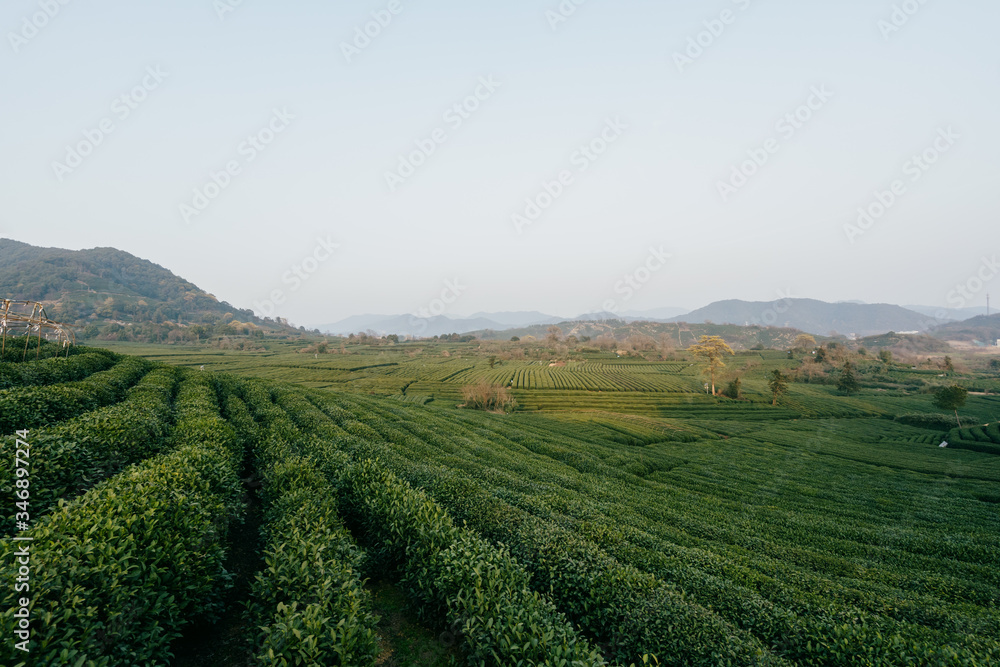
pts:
pixel 113 295
pixel 812 316
pixel 985 329
pixel 677 335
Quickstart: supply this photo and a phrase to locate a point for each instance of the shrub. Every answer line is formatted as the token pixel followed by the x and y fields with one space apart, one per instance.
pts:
pixel 937 422
pixel 492 398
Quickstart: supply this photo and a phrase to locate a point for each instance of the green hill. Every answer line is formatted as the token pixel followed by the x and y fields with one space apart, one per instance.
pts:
pixel 113 295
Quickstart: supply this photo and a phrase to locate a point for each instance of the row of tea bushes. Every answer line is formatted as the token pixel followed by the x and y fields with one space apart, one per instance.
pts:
pixel 70 457
pixel 117 573
pixel 475 588
pixel 480 590
pixel 53 370
pixel 309 605
pixel 31 407
pixel 629 611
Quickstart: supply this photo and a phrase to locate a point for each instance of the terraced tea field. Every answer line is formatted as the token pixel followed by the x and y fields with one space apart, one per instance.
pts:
pixel 620 516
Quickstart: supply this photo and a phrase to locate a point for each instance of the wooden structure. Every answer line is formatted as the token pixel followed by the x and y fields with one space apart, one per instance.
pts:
pixel 27 319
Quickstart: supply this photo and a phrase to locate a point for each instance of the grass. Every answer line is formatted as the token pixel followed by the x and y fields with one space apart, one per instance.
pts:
pixel 403 640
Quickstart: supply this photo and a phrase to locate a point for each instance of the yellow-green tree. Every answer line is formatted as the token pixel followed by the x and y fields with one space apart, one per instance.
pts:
pixel 804 342
pixel 711 349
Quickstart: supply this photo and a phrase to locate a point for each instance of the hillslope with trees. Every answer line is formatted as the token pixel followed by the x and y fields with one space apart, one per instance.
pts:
pixel 113 295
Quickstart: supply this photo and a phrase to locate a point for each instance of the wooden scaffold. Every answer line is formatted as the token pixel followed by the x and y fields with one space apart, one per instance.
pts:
pixel 28 319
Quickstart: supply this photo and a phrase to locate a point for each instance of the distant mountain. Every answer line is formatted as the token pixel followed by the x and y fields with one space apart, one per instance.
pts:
pixel 655 314
pixel 409 325
pixel 812 316
pixel 596 317
pixel 956 314
pixel 110 293
pixel 355 324
pixel 521 318
pixel 983 329
pixel 809 315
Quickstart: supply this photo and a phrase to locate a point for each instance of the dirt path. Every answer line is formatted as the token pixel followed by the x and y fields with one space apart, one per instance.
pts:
pixel 403 640
pixel 224 644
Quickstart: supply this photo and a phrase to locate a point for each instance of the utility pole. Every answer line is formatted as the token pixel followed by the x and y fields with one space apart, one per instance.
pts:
pixel 987 304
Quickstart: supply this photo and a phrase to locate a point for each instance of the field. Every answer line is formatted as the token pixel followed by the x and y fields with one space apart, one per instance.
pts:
pixel 291 508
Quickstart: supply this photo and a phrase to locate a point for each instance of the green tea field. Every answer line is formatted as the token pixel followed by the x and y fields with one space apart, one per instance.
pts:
pixel 188 506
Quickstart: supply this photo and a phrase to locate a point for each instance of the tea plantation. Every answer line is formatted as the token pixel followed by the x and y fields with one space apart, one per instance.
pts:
pixel 620 516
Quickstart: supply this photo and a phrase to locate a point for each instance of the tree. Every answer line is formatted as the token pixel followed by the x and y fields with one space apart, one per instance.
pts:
pixel 948 365
pixel 554 333
pixel 951 398
pixel 995 364
pixel 493 360
pixel 778 384
pixel 885 356
pixel 804 342
pixel 514 339
pixel 484 396
pixel 820 355
pixel 847 382
pixel 711 349
pixel 734 389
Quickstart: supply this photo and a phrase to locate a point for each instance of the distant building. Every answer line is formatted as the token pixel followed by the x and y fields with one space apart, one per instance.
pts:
pixel 908 333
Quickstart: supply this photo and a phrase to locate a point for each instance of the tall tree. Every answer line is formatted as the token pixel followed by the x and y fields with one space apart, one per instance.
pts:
pixel 804 342
pixel 711 349
pixel 778 384
pixel 951 398
pixel 847 382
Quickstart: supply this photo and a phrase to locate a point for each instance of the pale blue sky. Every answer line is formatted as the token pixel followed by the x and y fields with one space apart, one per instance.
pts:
pixel 655 186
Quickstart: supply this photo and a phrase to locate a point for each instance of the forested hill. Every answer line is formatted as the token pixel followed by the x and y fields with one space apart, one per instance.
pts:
pixel 114 294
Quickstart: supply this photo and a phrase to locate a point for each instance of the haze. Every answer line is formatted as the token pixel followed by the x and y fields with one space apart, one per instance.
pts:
pixel 829 107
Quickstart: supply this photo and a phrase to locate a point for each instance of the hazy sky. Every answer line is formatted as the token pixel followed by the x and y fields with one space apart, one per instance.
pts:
pixel 622 122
